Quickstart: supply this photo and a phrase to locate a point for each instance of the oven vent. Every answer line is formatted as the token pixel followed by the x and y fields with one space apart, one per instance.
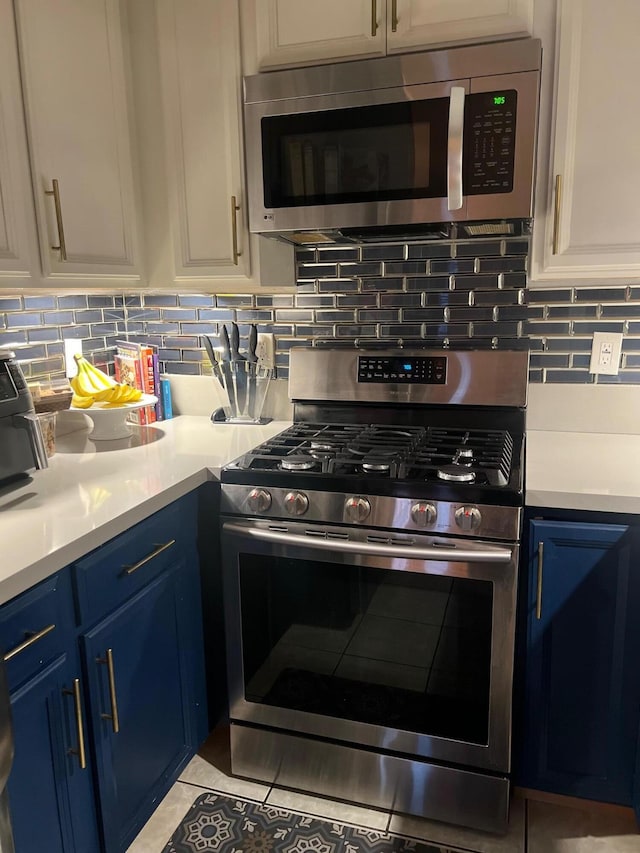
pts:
pixel 488 229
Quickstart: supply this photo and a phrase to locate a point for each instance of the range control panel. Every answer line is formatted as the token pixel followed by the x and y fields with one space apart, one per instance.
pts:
pixel 424 370
pixel 490 131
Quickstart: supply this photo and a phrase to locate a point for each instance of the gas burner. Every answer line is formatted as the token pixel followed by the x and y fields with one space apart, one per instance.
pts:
pixel 463 456
pixel 456 474
pixel 376 467
pixel 297 463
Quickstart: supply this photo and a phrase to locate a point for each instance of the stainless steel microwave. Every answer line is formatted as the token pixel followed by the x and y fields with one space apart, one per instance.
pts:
pixel 394 143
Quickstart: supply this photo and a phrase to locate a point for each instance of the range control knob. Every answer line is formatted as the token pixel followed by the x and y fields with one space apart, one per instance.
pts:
pixel 357 508
pixel 423 514
pixel 296 503
pixel 468 517
pixel 259 500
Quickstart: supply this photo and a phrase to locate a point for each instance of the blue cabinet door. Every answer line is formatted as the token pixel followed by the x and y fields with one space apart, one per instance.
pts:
pixel 582 690
pixel 140 669
pixel 51 796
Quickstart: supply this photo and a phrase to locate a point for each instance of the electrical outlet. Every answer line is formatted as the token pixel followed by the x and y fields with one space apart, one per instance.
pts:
pixel 266 350
pixel 605 353
pixel 72 346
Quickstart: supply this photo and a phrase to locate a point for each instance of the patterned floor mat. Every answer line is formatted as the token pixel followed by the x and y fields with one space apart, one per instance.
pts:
pixel 230 825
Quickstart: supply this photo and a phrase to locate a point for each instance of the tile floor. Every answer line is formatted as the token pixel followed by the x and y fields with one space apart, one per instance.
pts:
pixel 535 827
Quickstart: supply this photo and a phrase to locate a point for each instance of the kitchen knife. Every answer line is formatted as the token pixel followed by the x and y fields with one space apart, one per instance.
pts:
pixel 226 370
pixel 239 368
pixel 252 358
pixel 212 358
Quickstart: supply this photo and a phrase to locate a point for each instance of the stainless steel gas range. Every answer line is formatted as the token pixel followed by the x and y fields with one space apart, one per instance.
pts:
pixel 370 557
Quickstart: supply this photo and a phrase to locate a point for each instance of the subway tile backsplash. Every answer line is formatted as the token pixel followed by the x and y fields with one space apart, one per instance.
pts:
pixel 440 293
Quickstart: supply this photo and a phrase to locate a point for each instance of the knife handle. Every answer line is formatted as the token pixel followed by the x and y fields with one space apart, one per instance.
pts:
pixel 235 342
pixel 224 340
pixel 253 343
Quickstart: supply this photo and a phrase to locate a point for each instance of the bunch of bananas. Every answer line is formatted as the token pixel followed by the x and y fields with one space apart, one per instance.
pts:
pixel 91 385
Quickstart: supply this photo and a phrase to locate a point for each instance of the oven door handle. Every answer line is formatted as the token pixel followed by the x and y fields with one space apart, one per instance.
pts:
pixel 489 554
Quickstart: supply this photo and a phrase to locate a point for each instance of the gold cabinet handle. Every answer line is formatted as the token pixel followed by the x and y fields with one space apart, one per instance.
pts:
pixel 80 751
pixel 235 207
pixel 556 213
pixel 374 18
pixel 539 583
pixel 31 639
pixel 113 716
pixel 394 16
pixel 62 246
pixel 158 549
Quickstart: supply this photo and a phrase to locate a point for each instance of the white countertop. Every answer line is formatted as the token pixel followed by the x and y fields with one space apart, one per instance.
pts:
pixel 583 471
pixel 93 491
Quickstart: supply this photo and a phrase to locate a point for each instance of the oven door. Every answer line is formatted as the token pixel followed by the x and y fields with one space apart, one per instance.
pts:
pixel 400 642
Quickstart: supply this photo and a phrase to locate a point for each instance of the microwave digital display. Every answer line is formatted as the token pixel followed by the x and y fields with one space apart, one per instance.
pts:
pixel 423 370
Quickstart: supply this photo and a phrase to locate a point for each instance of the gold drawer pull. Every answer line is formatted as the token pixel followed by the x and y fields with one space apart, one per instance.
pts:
pixel 557 210
pixel 394 16
pixel 235 207
pixel 80 751
pixel 31 639
pixel 374 18
pixel 539 584
pixel 62 246
pixel 129 570
pixel 113 716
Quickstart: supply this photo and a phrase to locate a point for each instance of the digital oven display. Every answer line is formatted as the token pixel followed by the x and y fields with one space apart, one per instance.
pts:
pixel 424 370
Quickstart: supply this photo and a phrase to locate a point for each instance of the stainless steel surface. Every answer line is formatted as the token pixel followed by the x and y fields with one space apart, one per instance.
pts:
pixel 391 72
pixel 357 509
pixel 29 641
pixel 539 580
pixel 30 423
pixel 474 378
pixel 296 503
pixel 454 148
pixel 423 514
pixel 404 550
pixel 498 522
pixel 477 68
pixel 6 761
pixel 237 539
pixel 380 780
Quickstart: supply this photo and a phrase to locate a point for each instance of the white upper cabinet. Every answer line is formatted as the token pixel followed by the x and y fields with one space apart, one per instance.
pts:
pixel 188 100
pixel 201 103
pixel 17 230
pixel 305 32
pixel 75 98
pixel 587 223
pixel 419 24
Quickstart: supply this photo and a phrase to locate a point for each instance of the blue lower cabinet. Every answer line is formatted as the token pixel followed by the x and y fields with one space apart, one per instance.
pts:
pixel 582 680
pixel 50 794
pixel 145 703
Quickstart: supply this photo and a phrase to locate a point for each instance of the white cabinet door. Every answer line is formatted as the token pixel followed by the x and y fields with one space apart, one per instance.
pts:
pixel 415 24
pixel 199 57
pixel 590 227
pixel 18 245
pixel 73 75
pixel 304 32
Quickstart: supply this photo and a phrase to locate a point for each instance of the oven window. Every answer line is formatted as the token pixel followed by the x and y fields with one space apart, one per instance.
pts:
pixel 377 153
pixel 400 650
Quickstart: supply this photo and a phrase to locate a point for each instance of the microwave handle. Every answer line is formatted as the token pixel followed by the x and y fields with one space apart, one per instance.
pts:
pixel 454 148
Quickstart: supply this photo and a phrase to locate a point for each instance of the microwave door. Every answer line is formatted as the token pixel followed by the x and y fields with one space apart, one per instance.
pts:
pixel 387 157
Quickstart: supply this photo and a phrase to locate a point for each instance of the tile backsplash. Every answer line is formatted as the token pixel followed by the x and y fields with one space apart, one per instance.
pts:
pixel 440 293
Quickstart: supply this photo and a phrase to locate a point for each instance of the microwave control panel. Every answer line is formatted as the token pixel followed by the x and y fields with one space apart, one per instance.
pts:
pixel 490 131
pixel 424 370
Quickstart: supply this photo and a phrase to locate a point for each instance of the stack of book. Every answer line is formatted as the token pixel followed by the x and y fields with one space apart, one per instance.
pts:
pixel 137 365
